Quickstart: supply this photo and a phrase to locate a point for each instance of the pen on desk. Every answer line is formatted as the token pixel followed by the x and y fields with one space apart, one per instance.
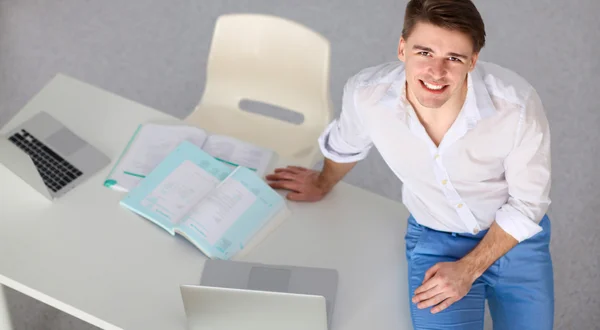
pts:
pixel 233 164
pixel 134 174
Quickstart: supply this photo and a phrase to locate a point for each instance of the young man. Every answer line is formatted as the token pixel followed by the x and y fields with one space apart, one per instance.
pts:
pixel 471 143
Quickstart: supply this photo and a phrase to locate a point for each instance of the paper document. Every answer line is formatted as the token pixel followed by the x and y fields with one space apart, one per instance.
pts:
pixel 152 143
pixel 180 191
pixel 238 153
pixel 215 215
pixel 149 146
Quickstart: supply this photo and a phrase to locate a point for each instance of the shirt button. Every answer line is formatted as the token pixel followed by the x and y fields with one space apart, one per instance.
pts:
pixel 475 231
pixel 459 205
pixel 444 182
pixel 436 156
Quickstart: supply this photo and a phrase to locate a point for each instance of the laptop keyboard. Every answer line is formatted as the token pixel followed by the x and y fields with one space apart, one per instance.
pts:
pixel 55 170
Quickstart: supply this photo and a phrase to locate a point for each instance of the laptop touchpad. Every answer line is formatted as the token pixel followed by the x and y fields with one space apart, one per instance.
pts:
pixel 269 279
pixel 65 142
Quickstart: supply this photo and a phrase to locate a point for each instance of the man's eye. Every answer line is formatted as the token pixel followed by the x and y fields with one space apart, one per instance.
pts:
pixel 423 53
pixel 454 59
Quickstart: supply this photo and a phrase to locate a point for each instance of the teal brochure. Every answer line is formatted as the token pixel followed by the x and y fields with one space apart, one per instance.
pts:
pixel 224 212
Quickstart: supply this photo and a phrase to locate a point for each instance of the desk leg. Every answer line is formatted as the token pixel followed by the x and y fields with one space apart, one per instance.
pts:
pixel 5 322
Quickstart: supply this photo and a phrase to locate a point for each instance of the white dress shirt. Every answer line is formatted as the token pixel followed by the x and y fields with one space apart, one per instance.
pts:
pixel 493 164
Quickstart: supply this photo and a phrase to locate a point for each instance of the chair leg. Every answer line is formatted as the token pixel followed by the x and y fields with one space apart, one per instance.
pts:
pixel 5 322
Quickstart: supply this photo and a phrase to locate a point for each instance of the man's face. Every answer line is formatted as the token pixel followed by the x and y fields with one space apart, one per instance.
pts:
pixel 437 62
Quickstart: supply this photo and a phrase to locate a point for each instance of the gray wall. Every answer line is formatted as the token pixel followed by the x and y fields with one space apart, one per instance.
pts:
pixel 154 52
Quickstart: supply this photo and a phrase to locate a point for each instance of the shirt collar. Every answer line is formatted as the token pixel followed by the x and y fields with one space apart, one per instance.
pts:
pixel 480 96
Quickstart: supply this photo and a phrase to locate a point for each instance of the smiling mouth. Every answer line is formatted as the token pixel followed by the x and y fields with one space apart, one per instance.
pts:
pixel 433 87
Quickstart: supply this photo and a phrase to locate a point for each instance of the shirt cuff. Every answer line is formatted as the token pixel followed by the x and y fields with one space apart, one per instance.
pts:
pixel 516 224
pixel 336 149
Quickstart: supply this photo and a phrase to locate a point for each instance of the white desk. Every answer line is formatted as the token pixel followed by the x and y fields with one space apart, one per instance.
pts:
pixel 91 258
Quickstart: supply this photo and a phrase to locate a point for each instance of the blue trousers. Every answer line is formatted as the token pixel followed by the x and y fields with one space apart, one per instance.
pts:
pixel 519 286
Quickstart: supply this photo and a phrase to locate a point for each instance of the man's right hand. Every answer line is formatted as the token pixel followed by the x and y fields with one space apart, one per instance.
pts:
pixel 304 184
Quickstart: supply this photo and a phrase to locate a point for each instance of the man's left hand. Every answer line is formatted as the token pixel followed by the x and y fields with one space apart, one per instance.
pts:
pixel 444 284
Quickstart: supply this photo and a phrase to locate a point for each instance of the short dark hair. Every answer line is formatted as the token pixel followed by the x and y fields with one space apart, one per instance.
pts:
pixel 458 15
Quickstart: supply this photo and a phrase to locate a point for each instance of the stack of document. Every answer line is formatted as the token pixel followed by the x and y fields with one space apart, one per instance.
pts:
pixel 221 206
pixel 151 143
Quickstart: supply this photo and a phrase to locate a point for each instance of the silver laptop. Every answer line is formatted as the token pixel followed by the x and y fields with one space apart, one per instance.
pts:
pixel 48 156
pixel 212 308
pixel 288 286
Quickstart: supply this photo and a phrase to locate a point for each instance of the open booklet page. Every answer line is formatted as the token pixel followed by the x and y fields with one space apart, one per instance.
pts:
pixel 235 152
pixel 180 191
pixel 223 222
pixel 177 184
pixel 150 146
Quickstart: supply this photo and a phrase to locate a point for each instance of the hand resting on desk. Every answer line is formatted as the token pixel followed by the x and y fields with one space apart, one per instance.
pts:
pixel 303 183
pixel 308 185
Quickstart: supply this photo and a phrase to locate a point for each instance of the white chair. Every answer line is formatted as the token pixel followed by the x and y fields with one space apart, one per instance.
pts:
pixel 271 60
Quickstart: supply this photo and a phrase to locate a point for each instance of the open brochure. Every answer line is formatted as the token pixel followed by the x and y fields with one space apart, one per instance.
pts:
pixel 224 212
pixel 151 143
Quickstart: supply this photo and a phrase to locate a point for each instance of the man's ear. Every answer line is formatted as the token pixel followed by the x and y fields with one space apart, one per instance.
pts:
pixel 401 49
pixel 474 59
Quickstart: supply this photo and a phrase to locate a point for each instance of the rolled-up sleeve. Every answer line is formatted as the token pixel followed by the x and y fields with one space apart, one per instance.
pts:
pixel 345 140
pixel 528 174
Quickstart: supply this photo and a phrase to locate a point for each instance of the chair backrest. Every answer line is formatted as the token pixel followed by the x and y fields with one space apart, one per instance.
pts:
pixel 271 60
